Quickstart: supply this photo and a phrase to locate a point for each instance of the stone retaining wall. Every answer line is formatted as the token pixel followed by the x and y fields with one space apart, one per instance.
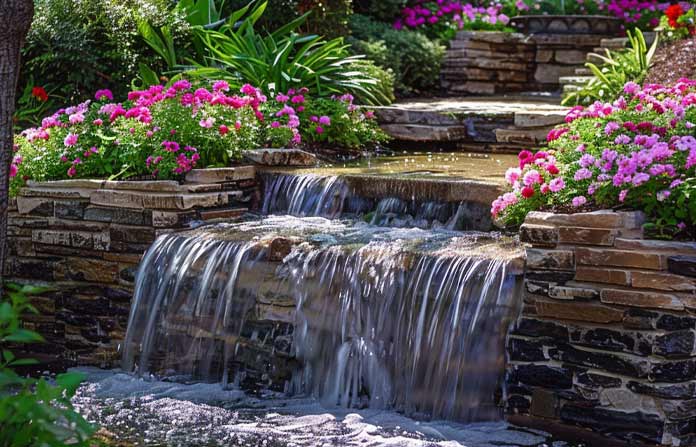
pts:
pixel 606 340
pixel 490 63
pixel 85 238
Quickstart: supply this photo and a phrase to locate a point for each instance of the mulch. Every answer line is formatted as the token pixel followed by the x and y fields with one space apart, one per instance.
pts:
pixel 673 61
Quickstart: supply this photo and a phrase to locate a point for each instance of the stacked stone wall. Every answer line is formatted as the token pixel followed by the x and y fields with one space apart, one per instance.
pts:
pixel 494 63
pixel 85 239
pixel 606 340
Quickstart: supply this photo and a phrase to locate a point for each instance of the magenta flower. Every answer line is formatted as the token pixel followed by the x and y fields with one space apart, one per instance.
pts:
pixel 320 130
pixel 325 120
pixel 70 140
pixel 104 94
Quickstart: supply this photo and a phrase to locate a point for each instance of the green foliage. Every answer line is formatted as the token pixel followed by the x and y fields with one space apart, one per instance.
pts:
pixel 77 46
pixel 413 58
pixel 282 59
pixel 329 17
pixel 618 68
pixel 383 10
pixel 33 412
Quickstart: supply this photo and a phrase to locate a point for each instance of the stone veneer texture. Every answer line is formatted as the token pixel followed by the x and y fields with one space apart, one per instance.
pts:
pixel 606 340
pixel 489 63
pixel 85 238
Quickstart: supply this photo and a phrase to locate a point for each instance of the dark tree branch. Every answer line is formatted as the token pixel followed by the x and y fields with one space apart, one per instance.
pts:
pixel 15 20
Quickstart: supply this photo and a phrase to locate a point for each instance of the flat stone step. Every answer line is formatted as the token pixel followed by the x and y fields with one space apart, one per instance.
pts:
pixel 584 71
pixel 472 120
pixel 575 80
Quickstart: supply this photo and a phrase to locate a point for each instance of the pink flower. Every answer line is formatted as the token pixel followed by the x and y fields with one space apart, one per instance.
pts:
pixel 207 123
pixel 181 84
pixel 221 86
pixel 579 201
pixel 512 175
pixel 325 120
pixel 320 130
pixel 631 88
pixel 531 177
pixel 70 139
pixel 556 184
pixel 104 94
pixel 622 195
pixel 223 129
pixel 13 170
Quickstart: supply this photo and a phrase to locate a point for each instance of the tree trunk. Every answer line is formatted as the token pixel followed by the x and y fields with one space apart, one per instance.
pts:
pixel 15 20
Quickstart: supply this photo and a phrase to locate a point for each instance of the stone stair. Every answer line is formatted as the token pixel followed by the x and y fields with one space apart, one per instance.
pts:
pixel 583 75
pixel 481 124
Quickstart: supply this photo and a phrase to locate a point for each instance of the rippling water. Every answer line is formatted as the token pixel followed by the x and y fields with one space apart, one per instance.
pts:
pixel 156 413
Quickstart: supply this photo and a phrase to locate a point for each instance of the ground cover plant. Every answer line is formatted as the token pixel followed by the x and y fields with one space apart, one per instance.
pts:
pixel 637 152
pixel 164 132
pixel 33 411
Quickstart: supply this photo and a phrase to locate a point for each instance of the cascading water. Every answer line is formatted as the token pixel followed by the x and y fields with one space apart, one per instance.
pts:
pixel 409 319
pixel 333 197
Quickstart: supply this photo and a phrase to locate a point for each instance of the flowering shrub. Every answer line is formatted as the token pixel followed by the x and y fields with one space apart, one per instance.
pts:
pixel 637 152
pixel 678 22
pixel 165 132
pixel 443 18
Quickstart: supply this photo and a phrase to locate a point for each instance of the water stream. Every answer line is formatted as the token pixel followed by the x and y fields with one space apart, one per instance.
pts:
pixel 326 297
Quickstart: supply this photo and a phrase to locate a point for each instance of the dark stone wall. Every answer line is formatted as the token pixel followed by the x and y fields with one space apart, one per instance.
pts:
pixel 607 337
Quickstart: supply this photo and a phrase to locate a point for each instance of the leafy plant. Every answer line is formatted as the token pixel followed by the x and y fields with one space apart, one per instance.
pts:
pixel 283 59
pixel 618 68
pixel 34 412
pixel 413 58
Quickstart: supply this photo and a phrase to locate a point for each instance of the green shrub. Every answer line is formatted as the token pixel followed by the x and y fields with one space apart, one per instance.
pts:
pixel 282 59
pixel 413 58
pixel 329 17
pixel 75 47
pixel 384 10
pixel 34 412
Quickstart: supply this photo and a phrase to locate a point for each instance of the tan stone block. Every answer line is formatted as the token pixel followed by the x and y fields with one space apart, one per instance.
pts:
pixel 150 185
pixel 51 237
pixel 586 236
pixel 594 219
pixel 603 275
pixel 57 193
pixel 578 311
pixel 672 247
pixel 127 258
pixel 543 56
pixel 218 175
pixel 540 118
pixel 91 270
pixel 35 205
pixel 571 293
pixel 641 299
pixel 174 201
pixel 66 184
pixel 662 281
pixel 570 57
pixel 619 258
pixel 229 213
pixel 550 259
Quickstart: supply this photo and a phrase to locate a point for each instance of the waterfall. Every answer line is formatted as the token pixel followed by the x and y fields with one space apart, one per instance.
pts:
pixel 388 329
pixel 406 319
pixel 333 197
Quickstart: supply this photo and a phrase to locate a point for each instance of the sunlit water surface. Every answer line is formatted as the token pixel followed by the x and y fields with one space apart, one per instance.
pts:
pixel 157 413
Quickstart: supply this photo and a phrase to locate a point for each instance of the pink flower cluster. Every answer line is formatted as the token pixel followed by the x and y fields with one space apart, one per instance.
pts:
pixel 643 138
pixel 425 13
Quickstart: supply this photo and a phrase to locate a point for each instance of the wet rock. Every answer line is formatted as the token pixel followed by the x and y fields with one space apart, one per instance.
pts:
pixel 675 344
pixel 630 426
pixel 594 380
pixel 676 391
pixel 674 322
pixel 540 328
pixel 682 265
pixel 526 350
pixel 614 363
pixel 679 371
pixel 543 376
